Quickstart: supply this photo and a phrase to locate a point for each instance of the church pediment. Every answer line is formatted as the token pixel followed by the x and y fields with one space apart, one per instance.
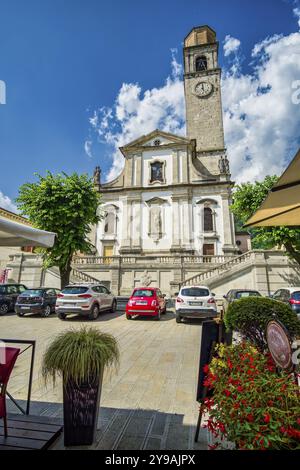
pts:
pixel 156 138
pixel 157 201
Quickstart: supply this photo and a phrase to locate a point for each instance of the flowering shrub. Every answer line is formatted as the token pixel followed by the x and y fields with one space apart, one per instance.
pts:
pixel 252 405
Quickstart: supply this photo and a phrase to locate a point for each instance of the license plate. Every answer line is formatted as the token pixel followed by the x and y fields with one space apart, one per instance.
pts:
pixel 196 304
pixel 25 308
pixel 141 303
pixel 69 305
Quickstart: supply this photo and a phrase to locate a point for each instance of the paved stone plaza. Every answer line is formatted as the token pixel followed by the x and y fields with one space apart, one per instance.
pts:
pixel 149 404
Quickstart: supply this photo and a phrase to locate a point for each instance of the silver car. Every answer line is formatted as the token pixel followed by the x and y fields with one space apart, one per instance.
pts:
pixel 195 302
pixel 85 299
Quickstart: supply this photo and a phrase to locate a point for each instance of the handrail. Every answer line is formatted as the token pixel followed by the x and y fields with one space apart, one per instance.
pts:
pixel 83 276
pixel 221 268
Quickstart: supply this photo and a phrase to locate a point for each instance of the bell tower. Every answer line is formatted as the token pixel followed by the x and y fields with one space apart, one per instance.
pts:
pixel 202 77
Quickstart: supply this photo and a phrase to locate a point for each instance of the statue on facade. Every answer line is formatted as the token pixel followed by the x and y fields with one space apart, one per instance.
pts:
pixel 146 279
pixel 155 229
pixel 97 176
pixel 224 165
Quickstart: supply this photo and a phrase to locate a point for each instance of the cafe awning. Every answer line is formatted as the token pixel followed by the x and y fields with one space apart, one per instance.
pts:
pixel 15 234
pixel 282 205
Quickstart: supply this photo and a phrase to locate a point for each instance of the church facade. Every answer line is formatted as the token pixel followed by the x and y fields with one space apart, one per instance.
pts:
pixel 174 193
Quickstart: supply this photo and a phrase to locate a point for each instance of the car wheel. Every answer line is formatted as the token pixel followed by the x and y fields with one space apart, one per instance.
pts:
pixel 129 317
pixel 178 319
pixel 114 306
pixel 61 316
pixel 47 311
pixel 4 308
pixel 93 315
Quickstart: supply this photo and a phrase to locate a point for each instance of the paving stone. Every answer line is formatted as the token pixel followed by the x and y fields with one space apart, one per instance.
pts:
pixel 159 424
pixel 150 402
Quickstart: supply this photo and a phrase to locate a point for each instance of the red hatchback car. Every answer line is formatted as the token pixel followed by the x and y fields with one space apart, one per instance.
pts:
pixel 148 301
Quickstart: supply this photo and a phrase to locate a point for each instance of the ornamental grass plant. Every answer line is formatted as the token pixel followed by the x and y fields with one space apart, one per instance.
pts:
pixel 80 355
pixel 252 405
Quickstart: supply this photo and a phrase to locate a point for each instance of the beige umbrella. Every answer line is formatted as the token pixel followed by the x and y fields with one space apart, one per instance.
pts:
pixel 282 205
pixel 15 234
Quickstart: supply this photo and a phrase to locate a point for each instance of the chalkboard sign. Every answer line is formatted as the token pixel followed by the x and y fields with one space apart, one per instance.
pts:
pixel 212 334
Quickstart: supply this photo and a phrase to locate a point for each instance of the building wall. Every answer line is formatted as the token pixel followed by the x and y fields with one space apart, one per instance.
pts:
pixel 264 271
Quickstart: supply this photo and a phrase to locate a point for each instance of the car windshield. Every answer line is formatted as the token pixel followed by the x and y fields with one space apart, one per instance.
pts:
pixel 143 293
pixel 33 292
pixel 195 292
pixel 74 290
pixel 247 293
pixel 296 295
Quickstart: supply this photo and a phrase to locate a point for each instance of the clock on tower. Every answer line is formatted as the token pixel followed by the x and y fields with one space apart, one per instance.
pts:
pixel 202 89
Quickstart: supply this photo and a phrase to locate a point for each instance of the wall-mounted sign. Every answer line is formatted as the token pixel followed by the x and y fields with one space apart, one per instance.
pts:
pixel 279 345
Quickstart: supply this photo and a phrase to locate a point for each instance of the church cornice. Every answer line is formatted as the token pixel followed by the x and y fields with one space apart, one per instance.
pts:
pixel 191 185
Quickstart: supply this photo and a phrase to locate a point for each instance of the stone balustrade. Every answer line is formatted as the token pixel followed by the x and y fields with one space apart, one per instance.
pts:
pixel 160 260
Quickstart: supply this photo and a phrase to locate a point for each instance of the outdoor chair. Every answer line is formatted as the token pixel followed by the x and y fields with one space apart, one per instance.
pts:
pixel 10 356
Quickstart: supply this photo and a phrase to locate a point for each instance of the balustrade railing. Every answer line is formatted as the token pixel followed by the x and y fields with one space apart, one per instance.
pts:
pixel 192 259
pixel 204 276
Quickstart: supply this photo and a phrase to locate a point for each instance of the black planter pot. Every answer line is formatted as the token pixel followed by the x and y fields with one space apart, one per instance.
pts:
pixel 81 409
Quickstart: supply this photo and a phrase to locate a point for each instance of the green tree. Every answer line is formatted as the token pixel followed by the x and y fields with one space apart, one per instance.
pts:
pixel 247 199
pixel 66 205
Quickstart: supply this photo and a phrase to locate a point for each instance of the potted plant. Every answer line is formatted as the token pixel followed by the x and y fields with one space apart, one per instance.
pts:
pixel 79 357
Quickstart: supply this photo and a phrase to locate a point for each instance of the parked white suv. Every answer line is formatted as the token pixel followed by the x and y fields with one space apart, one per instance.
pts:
pixel 84 299
pixel 195 302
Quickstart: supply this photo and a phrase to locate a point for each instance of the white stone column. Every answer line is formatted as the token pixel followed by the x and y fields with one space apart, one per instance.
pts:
pixel 136 223
pixel 228 229
pixel 125 234
pixel 176 222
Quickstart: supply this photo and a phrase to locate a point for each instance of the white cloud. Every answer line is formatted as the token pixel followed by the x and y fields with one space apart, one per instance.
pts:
pixel 6 203
pixel 260 119
pixel 296 12
pixel 231 45
pixel 136 113
pixel 88 148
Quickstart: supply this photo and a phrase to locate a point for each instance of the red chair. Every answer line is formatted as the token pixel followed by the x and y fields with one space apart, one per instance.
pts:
pixel 10 356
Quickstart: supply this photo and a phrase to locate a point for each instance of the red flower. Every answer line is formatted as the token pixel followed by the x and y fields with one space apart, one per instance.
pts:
pixel 240 388
pixel 250 417
pixel 213 446
pixel 206 369
pixel 227 393
pixel 229 364
pixel 267 418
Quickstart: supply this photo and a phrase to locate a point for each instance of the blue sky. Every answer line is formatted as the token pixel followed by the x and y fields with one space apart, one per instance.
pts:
pixel 63 59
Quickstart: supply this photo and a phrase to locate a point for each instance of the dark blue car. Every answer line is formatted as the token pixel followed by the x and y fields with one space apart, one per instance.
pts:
pixel 8 296
pixel 41 300
pixel 289 296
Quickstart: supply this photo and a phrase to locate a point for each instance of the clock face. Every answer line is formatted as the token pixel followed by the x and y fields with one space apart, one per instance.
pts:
pixel 203 89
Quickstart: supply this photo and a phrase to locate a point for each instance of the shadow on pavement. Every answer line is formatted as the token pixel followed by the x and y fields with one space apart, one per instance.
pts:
pixel 130 429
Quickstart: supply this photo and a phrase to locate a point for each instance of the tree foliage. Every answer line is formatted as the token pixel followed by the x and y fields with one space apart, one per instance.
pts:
pixel 250 316
pixel 247 199
pixel 66 205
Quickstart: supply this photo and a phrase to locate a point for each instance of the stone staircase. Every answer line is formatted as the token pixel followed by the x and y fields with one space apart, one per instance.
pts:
pixel 75 277
pixel 218 272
